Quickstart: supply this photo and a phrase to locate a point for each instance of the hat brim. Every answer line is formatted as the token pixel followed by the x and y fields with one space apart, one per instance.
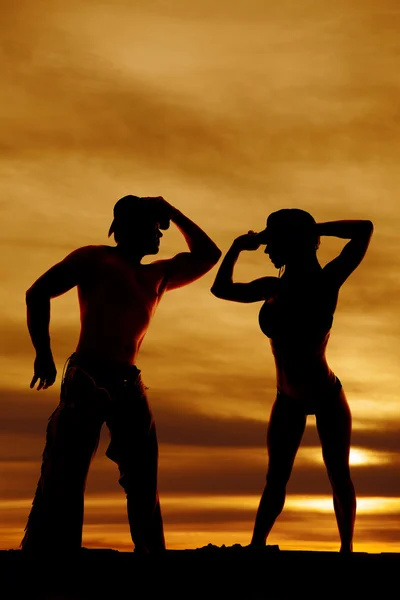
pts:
pixel 262 237
pixel 112 227
pixel 163 224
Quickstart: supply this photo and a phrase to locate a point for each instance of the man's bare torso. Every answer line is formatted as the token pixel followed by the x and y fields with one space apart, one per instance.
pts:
pixel 117 294
pixel 117 300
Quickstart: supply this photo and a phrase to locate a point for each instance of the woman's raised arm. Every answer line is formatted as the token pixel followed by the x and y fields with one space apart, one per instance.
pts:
pixel 254 291
pixel 359 233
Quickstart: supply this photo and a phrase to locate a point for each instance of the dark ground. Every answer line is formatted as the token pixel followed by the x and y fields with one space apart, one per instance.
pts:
pixel 207 573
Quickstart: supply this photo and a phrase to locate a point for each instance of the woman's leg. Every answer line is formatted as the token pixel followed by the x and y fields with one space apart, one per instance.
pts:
pixel 285 430
pixel 334 430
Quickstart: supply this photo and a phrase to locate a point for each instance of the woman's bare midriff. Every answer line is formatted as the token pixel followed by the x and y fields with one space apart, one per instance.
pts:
pixel 302 372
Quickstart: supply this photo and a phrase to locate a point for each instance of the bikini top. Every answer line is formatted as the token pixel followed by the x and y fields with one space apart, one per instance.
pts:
pixel 299 311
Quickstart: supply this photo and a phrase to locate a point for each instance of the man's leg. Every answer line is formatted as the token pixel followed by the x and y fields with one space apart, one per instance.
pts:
pixel 134 448
pixel 56 517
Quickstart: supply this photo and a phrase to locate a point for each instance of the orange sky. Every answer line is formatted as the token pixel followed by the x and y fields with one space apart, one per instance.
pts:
pixel 230 110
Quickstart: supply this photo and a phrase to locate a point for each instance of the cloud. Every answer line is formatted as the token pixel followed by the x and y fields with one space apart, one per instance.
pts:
pixel 97 105
pixel 180 423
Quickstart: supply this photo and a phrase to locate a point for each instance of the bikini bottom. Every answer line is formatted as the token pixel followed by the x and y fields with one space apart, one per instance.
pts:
pixel 313 405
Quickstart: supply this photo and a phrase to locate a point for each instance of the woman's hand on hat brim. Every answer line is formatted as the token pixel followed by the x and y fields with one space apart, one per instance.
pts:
pixel 248 241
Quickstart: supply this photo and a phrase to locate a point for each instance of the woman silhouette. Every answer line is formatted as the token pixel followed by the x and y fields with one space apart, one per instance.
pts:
pixel 297 316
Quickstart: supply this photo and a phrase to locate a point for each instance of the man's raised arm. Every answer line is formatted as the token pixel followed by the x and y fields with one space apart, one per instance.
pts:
pixel 203 253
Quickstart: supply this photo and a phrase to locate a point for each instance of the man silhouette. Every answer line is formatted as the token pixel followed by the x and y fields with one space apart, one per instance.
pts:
pixel 118 296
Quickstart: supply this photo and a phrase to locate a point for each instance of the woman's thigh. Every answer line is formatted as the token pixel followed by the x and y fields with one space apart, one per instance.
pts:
pixel 285 431
pixel 334 429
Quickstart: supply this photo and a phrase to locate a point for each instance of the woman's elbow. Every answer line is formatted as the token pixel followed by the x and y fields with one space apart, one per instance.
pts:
pixel 218 292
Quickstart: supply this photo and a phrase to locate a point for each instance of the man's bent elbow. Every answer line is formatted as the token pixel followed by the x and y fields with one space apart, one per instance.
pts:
pixel 367 228
pixel 208 259
pixel 34 295
pixel 213 255
pixel 29 295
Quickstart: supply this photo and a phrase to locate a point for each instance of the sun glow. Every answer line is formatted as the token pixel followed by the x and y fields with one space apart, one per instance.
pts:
pixel 195 521
pixel 359 457
pixel 366 505
pixel 362 456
